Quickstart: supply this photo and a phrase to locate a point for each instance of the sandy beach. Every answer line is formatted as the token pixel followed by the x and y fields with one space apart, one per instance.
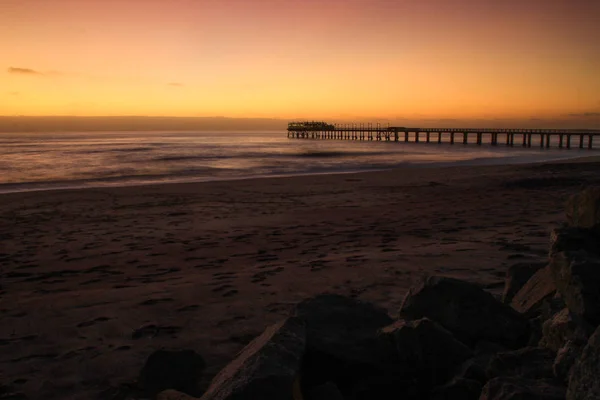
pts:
pixel 94 280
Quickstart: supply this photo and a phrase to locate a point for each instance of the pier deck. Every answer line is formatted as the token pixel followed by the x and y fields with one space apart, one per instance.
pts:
pixel 562 138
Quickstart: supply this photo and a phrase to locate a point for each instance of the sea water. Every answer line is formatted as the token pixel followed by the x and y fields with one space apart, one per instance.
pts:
pixel 40 161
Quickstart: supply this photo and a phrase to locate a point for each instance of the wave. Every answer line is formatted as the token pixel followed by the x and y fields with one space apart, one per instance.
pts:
pixel 336 153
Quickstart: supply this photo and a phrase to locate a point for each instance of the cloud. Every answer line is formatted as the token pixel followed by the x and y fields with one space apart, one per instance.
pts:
pixel 175 84
pixel 586 115
pixel 23 71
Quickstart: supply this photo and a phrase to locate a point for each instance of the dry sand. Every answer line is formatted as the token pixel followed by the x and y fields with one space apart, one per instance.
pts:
pixel 209 265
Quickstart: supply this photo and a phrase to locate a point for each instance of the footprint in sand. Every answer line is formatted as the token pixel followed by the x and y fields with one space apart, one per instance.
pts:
pixel 150 302
pixel 191 307
pixel 151 331
pixel 92 322
pixel 223 287
pixel 263 275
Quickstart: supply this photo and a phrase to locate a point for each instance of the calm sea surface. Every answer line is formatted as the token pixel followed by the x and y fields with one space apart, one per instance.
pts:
pixel 37 161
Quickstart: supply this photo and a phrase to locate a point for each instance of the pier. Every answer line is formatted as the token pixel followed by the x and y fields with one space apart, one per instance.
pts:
pixel 561 138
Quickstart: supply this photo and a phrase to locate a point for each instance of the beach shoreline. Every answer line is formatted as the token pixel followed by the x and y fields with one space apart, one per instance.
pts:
pixel 95 279
pixel 100 183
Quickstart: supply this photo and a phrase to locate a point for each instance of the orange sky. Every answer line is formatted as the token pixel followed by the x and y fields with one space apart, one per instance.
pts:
pixel 301 58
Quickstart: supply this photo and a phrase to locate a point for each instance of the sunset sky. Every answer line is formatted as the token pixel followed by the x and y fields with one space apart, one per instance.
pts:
pixel 301 58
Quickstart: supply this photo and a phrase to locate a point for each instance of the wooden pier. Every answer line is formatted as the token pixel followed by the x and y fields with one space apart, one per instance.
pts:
pixel 562 138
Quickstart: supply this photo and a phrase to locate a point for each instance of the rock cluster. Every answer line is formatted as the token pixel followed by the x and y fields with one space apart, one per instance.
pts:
pixel 453 339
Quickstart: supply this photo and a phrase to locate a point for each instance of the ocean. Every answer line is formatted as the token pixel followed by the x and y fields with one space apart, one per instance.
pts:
pixel 43 161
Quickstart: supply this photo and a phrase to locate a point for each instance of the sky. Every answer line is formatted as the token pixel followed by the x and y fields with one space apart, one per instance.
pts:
pixel 322 59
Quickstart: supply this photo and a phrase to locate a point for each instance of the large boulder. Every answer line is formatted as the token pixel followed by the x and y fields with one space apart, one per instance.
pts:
pixel 180 370
pixel 326 391
pixel 566 357
pixel 517 276
pixel 538 288
pixel 459 388
pixel 343 346
pixel 267 368
pixel 577 277
pixel 583 209
pixel 584 382
pixel 511 388
pixel 466 310
pixel 427 348
pixel 568 238
pixel 528 362
pixel 171 394
pixel 344 327
pixel 562 327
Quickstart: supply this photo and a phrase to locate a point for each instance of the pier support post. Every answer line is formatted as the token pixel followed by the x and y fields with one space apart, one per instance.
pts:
pixel 568 141
pixel 542 140
pixel 507 138
pixel 590 139
pixel 512 139
pixel 439 137
pixel 547 140
pixel 479 138
pixel 494 139
pixel 406 136
pixel 524 140
pixel 451 137
pixel 428 136
pixel 560 140
pixel 416 136
pixel 465 137
pixel 529 138
pixel 581 141
pixel 395 136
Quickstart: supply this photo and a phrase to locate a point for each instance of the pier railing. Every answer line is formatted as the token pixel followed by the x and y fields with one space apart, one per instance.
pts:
pixel 562 138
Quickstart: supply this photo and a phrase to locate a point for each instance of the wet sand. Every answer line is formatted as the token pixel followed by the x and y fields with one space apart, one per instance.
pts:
pixel 94 280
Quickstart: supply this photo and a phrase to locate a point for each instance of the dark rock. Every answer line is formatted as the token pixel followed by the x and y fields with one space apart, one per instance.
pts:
pixel 343 346
pixel 123 391
pixel 577 276
pixel 428 348
pixel 8 393
pixel 528 362
pixel 466 310
pixel 552 306
pixel 584 382
pixel 179 370
pixel 568 238
pixel 535 331
pixel 583 208
pixel 530 298
pixel 383 387
pixel 327 391
pixel 562 327
pixel 464 389
pixel 267 368
pixel 174 395
pixel 487 347
pixel 511 388
pixel 344 328
pixel 565 358
pixel 517 276
pixel 474 369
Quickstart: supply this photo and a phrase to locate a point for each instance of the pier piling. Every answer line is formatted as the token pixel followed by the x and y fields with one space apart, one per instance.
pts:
pixel 368 131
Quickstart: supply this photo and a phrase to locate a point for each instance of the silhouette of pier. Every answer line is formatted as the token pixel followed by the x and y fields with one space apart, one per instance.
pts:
pixel 562 138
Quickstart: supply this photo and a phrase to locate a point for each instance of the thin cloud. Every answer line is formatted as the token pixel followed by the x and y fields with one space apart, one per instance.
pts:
pixel 13 93
pixel 175 84
pixel 586 115
pixel 23 71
